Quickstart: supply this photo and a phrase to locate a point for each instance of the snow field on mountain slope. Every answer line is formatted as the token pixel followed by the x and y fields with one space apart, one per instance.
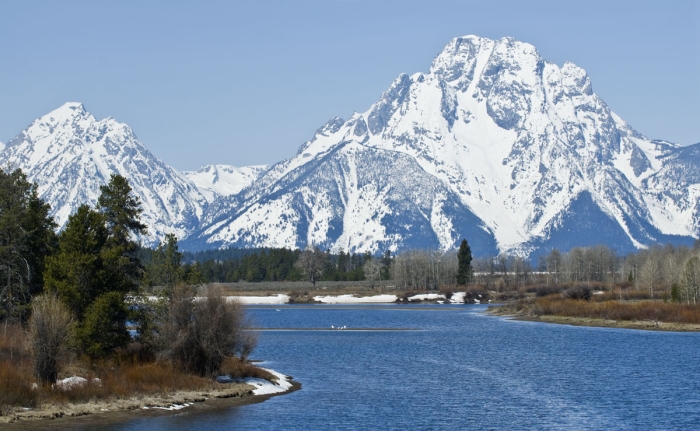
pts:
pixel 223 180
pixel 364 209
pixel 272 224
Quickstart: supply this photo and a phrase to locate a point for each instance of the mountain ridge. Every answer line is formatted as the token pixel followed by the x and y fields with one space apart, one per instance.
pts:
pixel 516 138
pixel 493 143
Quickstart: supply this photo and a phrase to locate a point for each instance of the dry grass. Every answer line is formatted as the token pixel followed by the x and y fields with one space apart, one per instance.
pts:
pixel 609 310
pixel 237 369
pixel 13 343
pixel 121 381
pixel 15 370
pixel 120 378
pixel 15 389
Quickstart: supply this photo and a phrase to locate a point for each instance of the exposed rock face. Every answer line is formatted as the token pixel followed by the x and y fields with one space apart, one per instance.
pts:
pixel 493 144
pixel 70 154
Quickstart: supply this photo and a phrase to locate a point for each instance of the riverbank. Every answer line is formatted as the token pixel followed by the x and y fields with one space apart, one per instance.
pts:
pixel 119 409
pixel 534 313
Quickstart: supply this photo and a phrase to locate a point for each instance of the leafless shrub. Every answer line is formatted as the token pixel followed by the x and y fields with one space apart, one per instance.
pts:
pixel 200 333
pixel 578 291
pixel 476 294
pixel 50 335
pixel 448 291
pixel 547 289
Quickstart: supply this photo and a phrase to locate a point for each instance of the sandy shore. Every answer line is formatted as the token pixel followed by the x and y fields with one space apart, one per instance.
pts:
pixel 102 413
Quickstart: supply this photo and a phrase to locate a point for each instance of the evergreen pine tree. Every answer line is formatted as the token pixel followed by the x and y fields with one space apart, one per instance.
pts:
pixel 121 211
pixel 97 264
pixel 77 270
pixel 26 238
pixel 386 265
pixel 194 275
pixel 464 264
pixel 103 328
pixel 165 267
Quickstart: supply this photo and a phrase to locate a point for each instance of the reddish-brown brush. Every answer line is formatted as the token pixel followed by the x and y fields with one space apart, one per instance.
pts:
pixel 611 310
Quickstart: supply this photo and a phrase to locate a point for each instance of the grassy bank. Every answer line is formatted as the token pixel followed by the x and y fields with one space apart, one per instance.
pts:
pixel 605 311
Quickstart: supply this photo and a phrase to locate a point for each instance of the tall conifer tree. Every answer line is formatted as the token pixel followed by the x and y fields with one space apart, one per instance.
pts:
pixel 465 272
pixel 26 238
pixel 122 212
pixel 77 272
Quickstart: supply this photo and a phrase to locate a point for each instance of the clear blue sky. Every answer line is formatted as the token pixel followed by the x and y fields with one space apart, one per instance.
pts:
pixel 247 82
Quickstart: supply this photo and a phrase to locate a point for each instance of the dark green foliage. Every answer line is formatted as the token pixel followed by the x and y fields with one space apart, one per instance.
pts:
pixel 262 265
pixel 676 293
pixel 26 238
pixel 192 274
pixel 121 211
pixel 103 328
pixel 220 255
pixel 344 267
pixel 465 273
pixel 386 265
pixel 269 264
pixel 165 267
pixel 77 272
pixel 97 264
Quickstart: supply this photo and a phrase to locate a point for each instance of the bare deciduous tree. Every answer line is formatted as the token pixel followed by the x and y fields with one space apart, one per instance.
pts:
pixel 648 277
pixel 201 332
pixel 371 269
pixel 690 283
pixel 312 261
pixel 50 332
pixel 425 269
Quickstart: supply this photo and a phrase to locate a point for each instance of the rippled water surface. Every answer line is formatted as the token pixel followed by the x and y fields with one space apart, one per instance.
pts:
pixel 456 368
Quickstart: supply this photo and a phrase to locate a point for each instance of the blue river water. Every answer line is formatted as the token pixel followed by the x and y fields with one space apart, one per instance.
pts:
pixel 454 367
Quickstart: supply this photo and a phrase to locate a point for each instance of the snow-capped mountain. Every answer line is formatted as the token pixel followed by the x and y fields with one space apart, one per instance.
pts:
pixel 494 144
pixel 70 154
pixel 215 181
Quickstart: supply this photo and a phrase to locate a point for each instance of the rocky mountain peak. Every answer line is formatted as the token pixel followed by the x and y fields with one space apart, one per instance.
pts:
pixel 519 143
pixel 70 154
pixel 493 144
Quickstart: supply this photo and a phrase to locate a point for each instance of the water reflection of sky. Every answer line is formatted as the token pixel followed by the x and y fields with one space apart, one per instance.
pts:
pixel 461 370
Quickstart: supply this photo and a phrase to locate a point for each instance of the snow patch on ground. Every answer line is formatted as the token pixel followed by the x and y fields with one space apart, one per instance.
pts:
pixel 73 381
pixel 426 296
pixel 263 387
pixel 351 299
pixel 171 407
pixel 457 297
pixel 280 298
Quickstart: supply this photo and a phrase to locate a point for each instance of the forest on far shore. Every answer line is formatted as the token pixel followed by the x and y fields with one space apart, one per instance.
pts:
pixel 655 270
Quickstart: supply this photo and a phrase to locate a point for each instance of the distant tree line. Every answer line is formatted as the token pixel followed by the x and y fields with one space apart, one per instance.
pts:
pixel 433 269
pixel 232 265
pixel 658 270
